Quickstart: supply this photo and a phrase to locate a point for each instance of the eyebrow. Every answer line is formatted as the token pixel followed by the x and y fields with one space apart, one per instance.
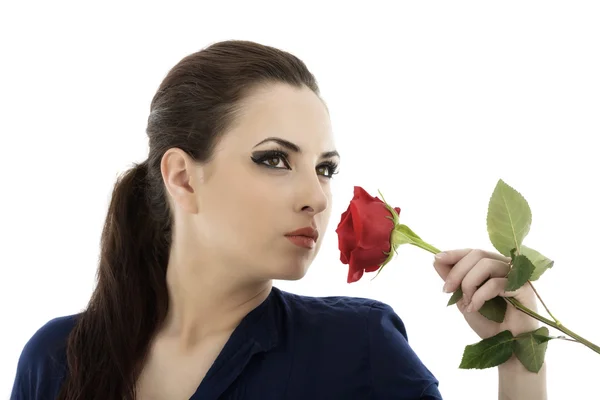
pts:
pixel 295 148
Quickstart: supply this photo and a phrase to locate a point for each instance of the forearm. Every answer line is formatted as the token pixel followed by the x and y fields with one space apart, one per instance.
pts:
pixel 515 382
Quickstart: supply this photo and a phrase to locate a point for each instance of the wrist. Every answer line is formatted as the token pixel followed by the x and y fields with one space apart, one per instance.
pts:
pixel 513 365
pixel 516 382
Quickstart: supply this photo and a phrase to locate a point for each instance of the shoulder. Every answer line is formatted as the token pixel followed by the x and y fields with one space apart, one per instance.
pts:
pixel 345 305
pixel 48 342
pixel 368 330
pixel 337 312
pixel 371 314
pixel 396 368
pixel 42 362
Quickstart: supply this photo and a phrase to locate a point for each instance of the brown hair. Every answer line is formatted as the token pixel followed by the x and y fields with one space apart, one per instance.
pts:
pixel 194 106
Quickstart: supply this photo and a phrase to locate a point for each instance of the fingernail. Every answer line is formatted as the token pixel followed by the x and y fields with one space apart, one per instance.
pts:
pixel 441 255
pixel 470 308
pixel 446 287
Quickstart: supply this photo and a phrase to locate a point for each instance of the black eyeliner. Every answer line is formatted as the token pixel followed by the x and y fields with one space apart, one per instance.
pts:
pixel 333 168
pixel 258 157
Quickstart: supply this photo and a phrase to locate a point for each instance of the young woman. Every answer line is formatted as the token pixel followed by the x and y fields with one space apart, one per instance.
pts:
pixel 235 192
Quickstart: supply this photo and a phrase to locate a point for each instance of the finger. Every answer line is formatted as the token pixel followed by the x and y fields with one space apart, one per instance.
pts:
pixel 454 256
pixel 461 268
pixel 487 291
pixel 463 265
pixel 484 269
pixel 444 261
pixel 442 269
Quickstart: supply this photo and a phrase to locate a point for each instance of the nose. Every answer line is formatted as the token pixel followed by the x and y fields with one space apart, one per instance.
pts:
pixel 312 198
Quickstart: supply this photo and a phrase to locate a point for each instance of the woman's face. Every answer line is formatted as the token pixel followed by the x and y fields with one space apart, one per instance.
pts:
pixel 270 175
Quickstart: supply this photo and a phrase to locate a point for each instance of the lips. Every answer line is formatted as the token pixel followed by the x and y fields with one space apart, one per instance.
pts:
pixel 306 232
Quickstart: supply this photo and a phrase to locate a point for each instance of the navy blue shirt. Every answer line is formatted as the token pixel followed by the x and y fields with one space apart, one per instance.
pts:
pixel 289 347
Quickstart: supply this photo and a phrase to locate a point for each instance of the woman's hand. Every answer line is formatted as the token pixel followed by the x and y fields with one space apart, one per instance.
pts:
pixel 469 269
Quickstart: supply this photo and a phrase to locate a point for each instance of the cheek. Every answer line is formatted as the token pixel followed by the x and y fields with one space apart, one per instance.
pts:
pixel 248 217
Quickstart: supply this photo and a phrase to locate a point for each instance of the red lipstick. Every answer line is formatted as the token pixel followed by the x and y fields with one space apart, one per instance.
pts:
pixel 304 237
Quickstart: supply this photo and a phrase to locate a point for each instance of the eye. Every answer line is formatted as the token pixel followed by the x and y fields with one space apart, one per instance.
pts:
pixel 271 159
pixel 327 169
pixel 278 159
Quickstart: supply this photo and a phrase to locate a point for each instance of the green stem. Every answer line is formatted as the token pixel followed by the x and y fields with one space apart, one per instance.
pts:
pixel 427 246
pixel 566 338
pixel 553 324
pixel 434 250
pixel 542 301
pixel 531 313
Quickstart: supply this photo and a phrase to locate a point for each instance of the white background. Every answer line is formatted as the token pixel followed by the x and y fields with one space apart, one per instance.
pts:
pixel 431 102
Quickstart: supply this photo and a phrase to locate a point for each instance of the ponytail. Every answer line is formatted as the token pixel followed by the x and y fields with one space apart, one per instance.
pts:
pixel 107 347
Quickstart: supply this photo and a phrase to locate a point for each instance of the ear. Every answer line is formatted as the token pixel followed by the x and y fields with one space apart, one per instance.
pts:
pixel 180 175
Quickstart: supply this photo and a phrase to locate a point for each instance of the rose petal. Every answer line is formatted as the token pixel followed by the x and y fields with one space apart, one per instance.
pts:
pixel 364 234
pixel 357 221
pixel 366 257
pixel 346 237
pixel 354 276
pixel 365 207
pixel 379 228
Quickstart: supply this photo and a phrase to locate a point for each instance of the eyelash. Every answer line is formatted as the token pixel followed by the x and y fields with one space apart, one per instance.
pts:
pixel 271 154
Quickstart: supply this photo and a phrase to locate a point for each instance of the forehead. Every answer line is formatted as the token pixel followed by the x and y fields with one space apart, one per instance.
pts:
pixel 294 114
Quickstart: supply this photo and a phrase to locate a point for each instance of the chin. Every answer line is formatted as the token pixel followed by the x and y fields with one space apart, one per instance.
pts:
pixel 291 272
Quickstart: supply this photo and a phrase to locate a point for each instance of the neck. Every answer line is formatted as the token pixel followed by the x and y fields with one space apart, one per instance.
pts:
pixel 205 302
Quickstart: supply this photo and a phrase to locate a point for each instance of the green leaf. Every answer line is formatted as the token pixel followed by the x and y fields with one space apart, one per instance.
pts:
pixel 540 262
pixel 520 273
pixel 488 353
pixel 508 218
pixel 513 254
pixel 494 309
pixel 456 296
pixel 542 339
pixel 529 351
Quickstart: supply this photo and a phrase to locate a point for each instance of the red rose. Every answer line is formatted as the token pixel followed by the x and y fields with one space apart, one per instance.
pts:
pixel 364 234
